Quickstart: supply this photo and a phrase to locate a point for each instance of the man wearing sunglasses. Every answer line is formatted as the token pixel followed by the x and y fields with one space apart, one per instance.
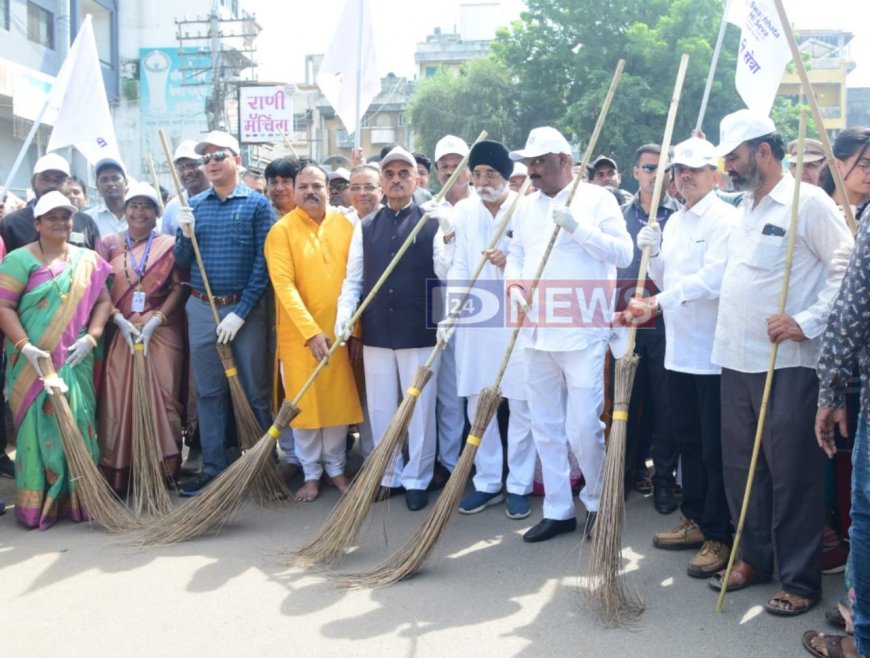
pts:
pixel 230 222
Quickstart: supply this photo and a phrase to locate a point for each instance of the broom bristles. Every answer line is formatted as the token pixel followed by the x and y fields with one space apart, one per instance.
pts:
pixel 342 526
pixel 218 502
pixel 607 586
pixel 269 488
pixel 149 495
pixel 101 503
pixel 408 559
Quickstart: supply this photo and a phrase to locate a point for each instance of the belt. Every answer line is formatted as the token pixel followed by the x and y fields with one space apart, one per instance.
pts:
pixel 219 300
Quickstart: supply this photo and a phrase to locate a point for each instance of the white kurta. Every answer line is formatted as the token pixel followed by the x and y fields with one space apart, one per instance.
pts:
pixel 689 271
pixel 752 282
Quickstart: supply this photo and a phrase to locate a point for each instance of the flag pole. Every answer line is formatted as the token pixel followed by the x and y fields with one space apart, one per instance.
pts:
pixel 27 141
pixel 359 38
pixel 716 51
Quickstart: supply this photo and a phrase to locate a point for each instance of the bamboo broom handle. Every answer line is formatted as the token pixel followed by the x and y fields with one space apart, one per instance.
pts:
pixel 179 191
pixel 774 349
pixel 657 189
pixel 386 273
pixel 817 117
pixel 156 183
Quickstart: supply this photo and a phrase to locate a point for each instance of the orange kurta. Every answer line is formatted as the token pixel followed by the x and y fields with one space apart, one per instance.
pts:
pixel 307 263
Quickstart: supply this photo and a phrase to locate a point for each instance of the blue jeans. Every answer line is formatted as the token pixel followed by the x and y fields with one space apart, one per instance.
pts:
pixel 860 535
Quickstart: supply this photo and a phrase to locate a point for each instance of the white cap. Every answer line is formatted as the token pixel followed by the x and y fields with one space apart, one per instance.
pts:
pixel 51 162
pixel 185 150
pixel 741 126
pixel 339 174
pixel 542 141
pixel 450 144
pixel 142 189
pixel 519 170
pixel 400 154
pixel 110 162
pixel 695 153
pixel 220 139
pixel 51 200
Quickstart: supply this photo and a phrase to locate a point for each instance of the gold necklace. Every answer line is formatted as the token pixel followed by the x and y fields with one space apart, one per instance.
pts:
pixel 62 294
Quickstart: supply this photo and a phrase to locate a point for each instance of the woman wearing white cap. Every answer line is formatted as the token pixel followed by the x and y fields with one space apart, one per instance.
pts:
pixel 148 298
pixel 53 305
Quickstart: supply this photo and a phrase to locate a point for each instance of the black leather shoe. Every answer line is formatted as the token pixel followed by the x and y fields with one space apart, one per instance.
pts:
pixel 549 528
pixel 387 492
pixel 664 500
pixel 416 499
pixel 591 517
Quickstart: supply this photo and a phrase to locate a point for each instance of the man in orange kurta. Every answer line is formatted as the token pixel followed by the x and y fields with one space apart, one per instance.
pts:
pixel 306 251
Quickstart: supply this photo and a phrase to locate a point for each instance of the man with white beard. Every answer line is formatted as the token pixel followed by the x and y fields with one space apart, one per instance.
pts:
pixel 479 350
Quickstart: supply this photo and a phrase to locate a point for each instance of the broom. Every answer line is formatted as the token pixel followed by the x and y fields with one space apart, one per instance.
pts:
pixel 774 349
pixel 271 486
pixel 607 587
pixel 97 497
pixel 223 496
pixel 149 496
pixel 408 560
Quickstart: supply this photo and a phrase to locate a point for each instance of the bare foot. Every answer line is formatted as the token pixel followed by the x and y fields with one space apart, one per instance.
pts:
pixel 309 491
pixel 341 482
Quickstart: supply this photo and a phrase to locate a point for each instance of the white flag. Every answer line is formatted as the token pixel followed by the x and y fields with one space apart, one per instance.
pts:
pixel 763 52
pixel 350 61
pixel 77 104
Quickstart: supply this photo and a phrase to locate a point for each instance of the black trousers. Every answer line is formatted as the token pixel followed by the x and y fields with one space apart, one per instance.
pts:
pixel 696 422
pixel 786 512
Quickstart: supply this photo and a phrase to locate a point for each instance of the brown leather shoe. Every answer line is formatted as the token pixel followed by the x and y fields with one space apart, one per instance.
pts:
pixel 743 575
pixel 712 557
pixel 686 535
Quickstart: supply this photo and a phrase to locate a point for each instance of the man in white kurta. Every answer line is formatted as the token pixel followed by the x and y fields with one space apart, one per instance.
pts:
pixel 479 349
pixel 565 357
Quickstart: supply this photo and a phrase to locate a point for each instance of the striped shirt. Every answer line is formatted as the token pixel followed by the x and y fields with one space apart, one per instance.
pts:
pixel 230 233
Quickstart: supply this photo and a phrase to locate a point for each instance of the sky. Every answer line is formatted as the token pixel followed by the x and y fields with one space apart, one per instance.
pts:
pixel 290 34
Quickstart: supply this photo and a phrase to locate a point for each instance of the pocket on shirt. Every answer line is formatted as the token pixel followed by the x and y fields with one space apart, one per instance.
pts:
pixel 243 234
pixel 768 252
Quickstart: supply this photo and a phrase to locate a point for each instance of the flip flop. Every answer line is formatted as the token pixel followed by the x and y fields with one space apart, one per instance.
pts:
pixel 835 618
pixel 833 644
pixel 791 605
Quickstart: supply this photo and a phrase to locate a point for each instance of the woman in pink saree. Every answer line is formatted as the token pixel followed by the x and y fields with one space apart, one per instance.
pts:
pixel 149 297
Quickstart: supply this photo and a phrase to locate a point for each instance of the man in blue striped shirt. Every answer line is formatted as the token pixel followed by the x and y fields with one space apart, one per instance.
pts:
pixel 230 222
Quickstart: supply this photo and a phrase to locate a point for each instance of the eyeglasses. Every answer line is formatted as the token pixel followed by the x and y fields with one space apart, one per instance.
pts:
pixel 404 174
pixel 863 165
pixel 488 175
pixel 356 189
pixel 338 186
pixel 217 156
pixel 649 168
pixel 181 167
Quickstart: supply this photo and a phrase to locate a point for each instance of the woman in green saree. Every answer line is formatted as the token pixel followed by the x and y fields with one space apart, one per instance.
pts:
pixel 53 305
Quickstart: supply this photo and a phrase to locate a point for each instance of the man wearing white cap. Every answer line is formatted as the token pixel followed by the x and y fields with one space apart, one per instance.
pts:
pixel 339 182
pixel 110 216
pixel 687 262
pixel 395 334
pixel 786 516
pixel 188 165
pixel 814 159
pixel 230 221
pixel 565 361
pixel 518 176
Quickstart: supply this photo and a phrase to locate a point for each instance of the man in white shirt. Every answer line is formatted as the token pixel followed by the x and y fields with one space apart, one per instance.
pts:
pixel 687 262
pixel 112 186
pixel 479 349
pixel 786 514
pixel 188 165
pixel 565 361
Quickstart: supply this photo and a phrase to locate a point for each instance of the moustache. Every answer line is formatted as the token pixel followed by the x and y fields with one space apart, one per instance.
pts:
pixel 311 197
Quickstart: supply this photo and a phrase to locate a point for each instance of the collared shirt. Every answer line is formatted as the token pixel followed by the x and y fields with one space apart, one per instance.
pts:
pixel 847 335
pixel 689 272
pixel 752 282
pixel 582 264
pixel 107 222
pixel 230 233
pixel 17 229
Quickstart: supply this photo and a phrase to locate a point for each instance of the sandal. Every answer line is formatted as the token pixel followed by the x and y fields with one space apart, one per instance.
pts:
pixel 833 645
pixel 643 483
pixel 835 618
pixel 743 575
pixel 787 604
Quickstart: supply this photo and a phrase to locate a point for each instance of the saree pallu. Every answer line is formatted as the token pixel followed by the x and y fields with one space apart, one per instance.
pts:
pixel 163 365
pixel 54 306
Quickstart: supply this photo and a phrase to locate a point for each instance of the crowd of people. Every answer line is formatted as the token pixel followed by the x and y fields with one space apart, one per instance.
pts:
pixel 288 257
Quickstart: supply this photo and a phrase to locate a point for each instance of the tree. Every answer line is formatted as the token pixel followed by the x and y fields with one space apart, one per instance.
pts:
pixel 480 96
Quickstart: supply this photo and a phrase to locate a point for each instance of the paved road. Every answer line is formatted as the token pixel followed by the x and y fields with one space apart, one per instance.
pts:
pixel 72 590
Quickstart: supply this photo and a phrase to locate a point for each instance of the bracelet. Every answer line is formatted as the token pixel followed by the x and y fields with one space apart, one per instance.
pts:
pixel 92 339
pixel 21 342
pixel 160 316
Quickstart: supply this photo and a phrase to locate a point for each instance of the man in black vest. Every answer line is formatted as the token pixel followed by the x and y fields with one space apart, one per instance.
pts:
pixel 396 338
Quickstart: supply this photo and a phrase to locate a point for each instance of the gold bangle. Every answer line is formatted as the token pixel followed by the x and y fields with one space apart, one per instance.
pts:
pixel 21 342
pixel 159 314
pixel 92 339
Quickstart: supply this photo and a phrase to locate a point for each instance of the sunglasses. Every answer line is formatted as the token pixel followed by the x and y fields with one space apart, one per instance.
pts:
pixel 649 168
pixel 217 156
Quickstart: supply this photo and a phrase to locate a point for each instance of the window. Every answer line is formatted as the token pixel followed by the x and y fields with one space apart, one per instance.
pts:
pixel 300 123
pixel 40 25
pixel 4 14
pixel 102 22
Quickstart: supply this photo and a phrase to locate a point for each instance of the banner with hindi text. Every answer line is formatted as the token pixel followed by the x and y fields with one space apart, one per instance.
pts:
pixel 265 114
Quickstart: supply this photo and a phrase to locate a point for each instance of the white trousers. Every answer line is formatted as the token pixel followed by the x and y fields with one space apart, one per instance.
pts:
pixel 489 460
pixel 389 373
pixel 326 445
pixel 366 440
pixel 566 398
pixel 449 409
